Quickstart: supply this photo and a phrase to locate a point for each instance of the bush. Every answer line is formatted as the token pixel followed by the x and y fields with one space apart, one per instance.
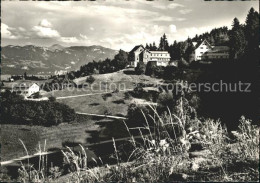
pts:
pixel 36 95
pixel 105 96
pixel 165 100
pixel 140 68
pixel 248 140
pixel 52 99
pixel 150 69
pixel 90 79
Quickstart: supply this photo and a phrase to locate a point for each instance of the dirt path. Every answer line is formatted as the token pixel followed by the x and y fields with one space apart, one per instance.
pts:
pixel 89 94
pixel 74 96
pixel 100 115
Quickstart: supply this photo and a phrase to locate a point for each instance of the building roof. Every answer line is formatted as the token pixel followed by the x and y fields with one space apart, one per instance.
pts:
pixel 145 51
pixel 159 51
pixel 136 47
pixel 218 49
pixel 25 86
pixel 199 43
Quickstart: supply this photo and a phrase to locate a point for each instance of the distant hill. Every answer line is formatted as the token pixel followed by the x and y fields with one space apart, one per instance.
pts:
pixel 49 60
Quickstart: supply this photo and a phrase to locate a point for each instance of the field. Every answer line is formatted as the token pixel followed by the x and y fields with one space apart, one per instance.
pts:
pixel 112 104
pixel 99 102
pixel 55 137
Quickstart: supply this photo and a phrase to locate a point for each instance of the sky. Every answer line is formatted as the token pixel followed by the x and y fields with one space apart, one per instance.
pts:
pixel 114 24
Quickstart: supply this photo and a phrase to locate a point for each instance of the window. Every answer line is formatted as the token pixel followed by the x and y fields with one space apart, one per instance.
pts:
pixel 201 47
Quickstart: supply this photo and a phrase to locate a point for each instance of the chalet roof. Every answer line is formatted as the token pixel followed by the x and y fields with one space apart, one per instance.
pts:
pixel 25 86
pixel 145 51
pixel 199 43
pixel 218 49
pixel 136 47
pixel 224 48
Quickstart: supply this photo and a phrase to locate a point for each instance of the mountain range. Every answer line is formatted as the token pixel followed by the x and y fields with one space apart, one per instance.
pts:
pixel 55 59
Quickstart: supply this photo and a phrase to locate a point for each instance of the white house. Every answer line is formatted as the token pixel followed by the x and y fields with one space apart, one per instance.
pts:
pixel 200 49
pixel 140 54
pixel 27 89
pixel 205 51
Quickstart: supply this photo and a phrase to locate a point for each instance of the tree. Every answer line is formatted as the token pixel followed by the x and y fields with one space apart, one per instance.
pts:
pixel 120 60
pixel 252 29
pixel 150 69
pixel 189 51
pixel 237 40
pixel 174 51
pixel 25 75
pixel 153 47
pixel 236 24
pixel 147 47
pixel 163 45
pixel 140 68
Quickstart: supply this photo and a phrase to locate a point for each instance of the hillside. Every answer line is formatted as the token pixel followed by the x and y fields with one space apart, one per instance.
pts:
pixel 49 60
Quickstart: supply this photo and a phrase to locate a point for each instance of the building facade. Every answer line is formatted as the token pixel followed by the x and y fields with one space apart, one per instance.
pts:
pixel 162 58
pixel 205 51
pixel 27 89
pixel 141 54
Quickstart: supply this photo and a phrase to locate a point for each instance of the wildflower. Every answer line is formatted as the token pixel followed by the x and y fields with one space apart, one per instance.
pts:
pixel 162 142
pixel 153 142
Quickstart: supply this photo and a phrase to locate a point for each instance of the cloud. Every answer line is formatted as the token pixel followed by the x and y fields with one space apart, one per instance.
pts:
pixel 185 11
pixel 69 39
pixel 92 28
pixel 21 29
pixel 83 36
pixel 166 6
pixel 44 30
pixel 163 18
pixel 45 23
pixel 173 28
pixel 6 32
pixel 174 5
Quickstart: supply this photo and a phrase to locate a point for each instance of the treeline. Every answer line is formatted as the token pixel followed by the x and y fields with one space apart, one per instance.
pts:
pixel 242 39
pixel 26 77
pixel 119 62
pixel 15 110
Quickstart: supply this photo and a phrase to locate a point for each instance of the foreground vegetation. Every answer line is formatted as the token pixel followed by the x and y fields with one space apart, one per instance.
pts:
pixel 174 146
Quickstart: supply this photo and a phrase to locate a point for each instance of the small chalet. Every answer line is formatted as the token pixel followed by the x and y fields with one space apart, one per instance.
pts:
pixel 205 51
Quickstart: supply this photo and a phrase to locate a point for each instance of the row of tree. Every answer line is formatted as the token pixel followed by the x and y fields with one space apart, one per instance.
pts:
pixel 119 62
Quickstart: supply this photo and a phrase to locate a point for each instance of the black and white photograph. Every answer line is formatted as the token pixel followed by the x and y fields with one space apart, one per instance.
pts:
pixel 129 91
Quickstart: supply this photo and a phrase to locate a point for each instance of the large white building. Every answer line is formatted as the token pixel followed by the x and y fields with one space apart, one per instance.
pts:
pixel 26 89
pixel 205 51
pixel 162 58
pixel 140 54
